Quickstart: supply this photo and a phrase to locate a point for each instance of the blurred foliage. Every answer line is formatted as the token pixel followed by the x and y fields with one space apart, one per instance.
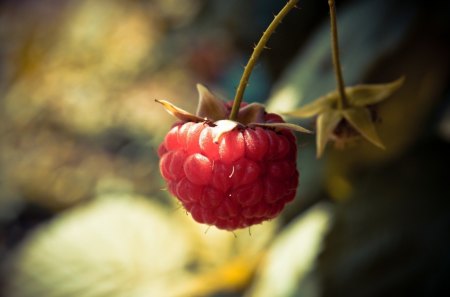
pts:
pixel 82 208
pixel 124 245
pixel 287 265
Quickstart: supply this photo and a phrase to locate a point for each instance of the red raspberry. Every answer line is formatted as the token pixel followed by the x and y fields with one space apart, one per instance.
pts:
pixel 244 177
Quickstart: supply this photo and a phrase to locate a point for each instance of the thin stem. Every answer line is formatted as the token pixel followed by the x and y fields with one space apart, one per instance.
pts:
pixel 255 55
pixel 342 102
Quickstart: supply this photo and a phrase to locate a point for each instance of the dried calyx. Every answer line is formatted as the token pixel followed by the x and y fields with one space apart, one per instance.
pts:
pixel 215 112
pixel 346 111
pixel 357 115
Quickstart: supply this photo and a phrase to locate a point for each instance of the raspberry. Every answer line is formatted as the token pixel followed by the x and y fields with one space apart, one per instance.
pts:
pixel 231 179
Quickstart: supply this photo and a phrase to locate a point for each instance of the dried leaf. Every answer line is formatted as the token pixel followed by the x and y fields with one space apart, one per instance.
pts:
pixel 178 112
pixel 279 126
pixel 209 106
pixel 252 113
pixel 315 107
pixel 361 120
pixel 327 121
pixel 363 95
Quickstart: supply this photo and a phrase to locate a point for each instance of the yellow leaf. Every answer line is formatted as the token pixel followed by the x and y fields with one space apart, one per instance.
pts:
pixel 361 120
pixel 363 95
pixel 327 121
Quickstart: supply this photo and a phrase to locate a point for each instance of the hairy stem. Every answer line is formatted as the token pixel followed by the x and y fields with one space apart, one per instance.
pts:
pixel 342 102
pixel 255 55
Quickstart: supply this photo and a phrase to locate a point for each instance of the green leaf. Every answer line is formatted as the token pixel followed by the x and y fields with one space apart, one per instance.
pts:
pixel 363 95
pixel 361 120
pixel 69 258
pixel 327 121
pixel 209 106
pixel 315 107
pixel 178 112
pixel 278 126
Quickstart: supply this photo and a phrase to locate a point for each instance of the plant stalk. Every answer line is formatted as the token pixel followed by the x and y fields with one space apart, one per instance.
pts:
pixel 342 102
pixel 255 55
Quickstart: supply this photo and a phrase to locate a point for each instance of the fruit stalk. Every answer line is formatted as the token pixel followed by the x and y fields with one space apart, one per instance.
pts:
pixel 342 102
pixel 255 55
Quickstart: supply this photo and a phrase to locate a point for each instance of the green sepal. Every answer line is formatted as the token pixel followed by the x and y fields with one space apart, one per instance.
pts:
pixel 364 95
pixel 315 107
pixel 327 121
pixel 361 121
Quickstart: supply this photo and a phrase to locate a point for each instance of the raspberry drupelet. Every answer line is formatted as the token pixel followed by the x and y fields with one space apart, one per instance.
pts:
pixel 230 177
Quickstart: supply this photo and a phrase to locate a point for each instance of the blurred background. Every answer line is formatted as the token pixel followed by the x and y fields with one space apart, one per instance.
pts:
pixel 83 209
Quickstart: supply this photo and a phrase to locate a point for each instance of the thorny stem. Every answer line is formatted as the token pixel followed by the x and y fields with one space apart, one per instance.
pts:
pixel 255 55
pixel 342 102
